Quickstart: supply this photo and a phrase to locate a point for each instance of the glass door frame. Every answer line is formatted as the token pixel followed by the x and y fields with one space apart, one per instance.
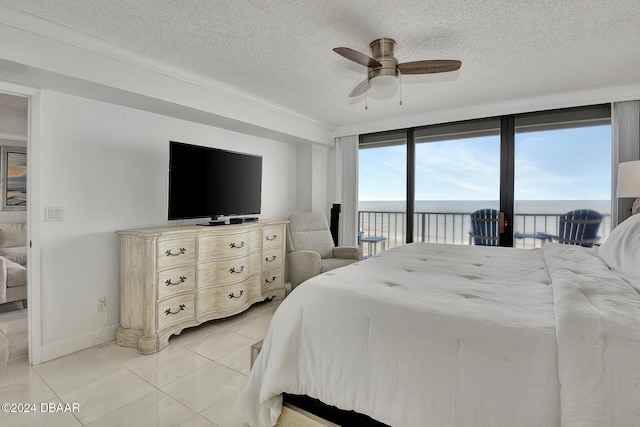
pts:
pixel 507 179
pixel 481 128
pixel 507 158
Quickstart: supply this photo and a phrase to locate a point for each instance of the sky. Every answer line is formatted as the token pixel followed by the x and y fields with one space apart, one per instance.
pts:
pixel 565 164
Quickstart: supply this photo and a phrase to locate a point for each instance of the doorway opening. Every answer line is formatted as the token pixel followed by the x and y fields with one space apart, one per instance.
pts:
pixel 14 324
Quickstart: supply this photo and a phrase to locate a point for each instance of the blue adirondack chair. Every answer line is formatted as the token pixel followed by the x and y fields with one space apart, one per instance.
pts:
pixel 485 228
pixel 579 227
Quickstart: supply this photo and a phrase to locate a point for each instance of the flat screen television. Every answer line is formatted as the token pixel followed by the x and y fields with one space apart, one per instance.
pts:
pixel 210 182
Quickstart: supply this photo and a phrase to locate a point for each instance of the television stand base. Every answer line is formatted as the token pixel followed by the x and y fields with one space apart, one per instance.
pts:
pixel 243 220
pixel 212 223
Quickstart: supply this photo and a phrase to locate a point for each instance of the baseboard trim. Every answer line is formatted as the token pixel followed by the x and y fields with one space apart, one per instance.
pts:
pixel 80 342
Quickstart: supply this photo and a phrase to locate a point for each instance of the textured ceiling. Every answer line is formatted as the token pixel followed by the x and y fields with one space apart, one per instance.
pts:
pixel 281 50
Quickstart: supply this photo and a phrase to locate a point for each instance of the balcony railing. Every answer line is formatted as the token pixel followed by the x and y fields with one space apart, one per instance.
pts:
pixel 453 228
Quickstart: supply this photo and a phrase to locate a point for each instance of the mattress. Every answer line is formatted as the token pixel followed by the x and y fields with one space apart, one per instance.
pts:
pixel 428 334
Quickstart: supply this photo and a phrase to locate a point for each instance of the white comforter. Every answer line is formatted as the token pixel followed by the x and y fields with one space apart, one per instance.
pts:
pixel 437 335
pixel 597 315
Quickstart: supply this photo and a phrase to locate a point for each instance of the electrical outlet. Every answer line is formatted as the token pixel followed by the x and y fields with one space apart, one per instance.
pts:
pixel 101 303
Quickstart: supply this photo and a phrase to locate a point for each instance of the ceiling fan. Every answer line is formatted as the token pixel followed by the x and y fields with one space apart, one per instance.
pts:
pixel 384 67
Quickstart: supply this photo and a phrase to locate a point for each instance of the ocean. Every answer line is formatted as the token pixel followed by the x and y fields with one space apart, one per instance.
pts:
pixel 467 206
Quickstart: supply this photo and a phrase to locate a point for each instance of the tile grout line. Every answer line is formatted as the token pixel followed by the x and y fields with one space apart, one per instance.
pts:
pixel 183 347
pixel 52 391
pixel 260 311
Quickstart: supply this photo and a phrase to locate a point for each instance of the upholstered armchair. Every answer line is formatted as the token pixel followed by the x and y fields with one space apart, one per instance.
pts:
pixel 13 263
pixel 311 250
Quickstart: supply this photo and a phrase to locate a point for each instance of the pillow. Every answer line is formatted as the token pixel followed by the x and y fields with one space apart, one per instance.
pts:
pixel 13 235
pixel 621 250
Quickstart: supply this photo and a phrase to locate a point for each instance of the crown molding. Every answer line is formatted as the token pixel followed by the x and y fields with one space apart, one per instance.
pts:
pixel 13 137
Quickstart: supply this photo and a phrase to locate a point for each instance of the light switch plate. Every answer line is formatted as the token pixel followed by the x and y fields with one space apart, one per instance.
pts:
pixel 55 213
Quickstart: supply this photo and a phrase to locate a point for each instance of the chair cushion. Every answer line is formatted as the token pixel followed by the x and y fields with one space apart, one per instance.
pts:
pixel 308 221
pixel 16 254
pixel 316 241
pixel 331 263
pixel 12 235
pixel 310 232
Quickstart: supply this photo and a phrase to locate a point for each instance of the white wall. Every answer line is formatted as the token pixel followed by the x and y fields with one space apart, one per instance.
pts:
pixel 319 172
pixel 312 177
pixel 107 166
pixel 304 166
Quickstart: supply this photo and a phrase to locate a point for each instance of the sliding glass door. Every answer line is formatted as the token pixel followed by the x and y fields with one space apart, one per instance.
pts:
pixel 457 172
pixel 423 184
pixel 382 191
pixel 562 164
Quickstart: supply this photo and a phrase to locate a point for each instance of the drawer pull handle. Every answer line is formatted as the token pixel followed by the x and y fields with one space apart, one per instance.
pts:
pixel 273 258
pixel 271 238
pixel 180 308
pixel 233 270
pixel 233 245
pixel 182 252
pixel 170 283
pixel 232 295
pixel 273 279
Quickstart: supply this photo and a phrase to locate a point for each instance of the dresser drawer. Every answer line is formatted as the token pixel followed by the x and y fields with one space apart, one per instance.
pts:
pixel 272 279
pixel 273 238
pixel 176 252
pixel 224 272
pixel 228 245
pixel 176 280
pixel 175 310
pixel 173 278
pixel 272 258
pixel 229 299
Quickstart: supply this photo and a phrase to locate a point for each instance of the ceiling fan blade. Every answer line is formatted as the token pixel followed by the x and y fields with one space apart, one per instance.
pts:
pixel 360 89
pixel 356 56
pixel 429 66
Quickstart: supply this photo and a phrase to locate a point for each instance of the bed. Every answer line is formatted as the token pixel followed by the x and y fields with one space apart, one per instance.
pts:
pixel 443 335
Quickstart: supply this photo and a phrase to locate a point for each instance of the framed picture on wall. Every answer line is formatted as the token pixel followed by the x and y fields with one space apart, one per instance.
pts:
pixel 13 178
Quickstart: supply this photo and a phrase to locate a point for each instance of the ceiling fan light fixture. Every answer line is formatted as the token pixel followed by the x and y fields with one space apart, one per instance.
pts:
pixel 383 81
pixel 385 76
pixel 384 69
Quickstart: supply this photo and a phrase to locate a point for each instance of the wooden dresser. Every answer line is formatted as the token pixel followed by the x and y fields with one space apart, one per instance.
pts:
pixel 173 278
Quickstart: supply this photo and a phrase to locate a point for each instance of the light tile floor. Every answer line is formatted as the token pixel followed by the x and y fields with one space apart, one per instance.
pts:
pixel 192 382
